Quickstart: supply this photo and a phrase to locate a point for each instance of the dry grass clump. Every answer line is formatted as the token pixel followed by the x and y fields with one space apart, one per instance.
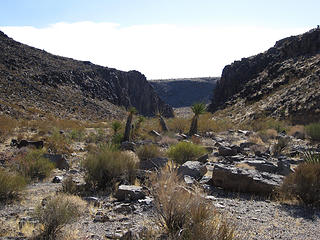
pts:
pixel 7 125
pixel 32 165
pixel 297 131
pixel 280 146
pixel 184 213
pixel 267 134
pixel 60 210
pixel 178 125
pixel 303 184
pixel 185 151
pixel 10 185
pixel 58 143
pixel 147 152
pixel 168 141
pixel 207 123
pixel 313 131
pixel 108 166
pixel 264 123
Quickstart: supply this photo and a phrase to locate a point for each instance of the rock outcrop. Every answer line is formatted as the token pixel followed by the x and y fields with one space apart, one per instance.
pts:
pixel 283 82
pixel 36 82
pixel 183 92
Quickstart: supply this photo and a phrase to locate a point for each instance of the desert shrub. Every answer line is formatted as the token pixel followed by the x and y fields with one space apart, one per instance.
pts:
pixel 267 134
pixel 76 134
pixel 178 125
pixel 264 123
pixel 58 211
pixel 7 125
pixel 108 166
pixel 58 143
pixel 10 185
pixel 208 124
pixel 117 139
pixel 168 141
pixel 146 152
pixel 69 186
pixel 185 151
pixel 184 213
pixel 313 130
pixel 33 165
pixel 303 184
pixel 99 136
pixel 280 146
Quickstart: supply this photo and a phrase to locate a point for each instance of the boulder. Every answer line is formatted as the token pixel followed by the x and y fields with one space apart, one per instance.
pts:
pixel 129 193
pixel 193 169
pixel 284 166
pixel 58 159
pixel 262 165
pixel 227 151
pixel 245 180
pixel 57 179
pixel 203 158
pixel 153 164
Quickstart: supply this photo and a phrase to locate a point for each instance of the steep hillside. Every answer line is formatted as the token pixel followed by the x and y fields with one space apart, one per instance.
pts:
pixel 34 81
pixel 184 92
pixel 283 82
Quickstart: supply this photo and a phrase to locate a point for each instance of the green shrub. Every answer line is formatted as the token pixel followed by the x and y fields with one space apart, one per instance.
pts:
pixel 10 185
pixel 108 166
pixel 303 184
pixel 116 126
pixel 76 135
pixel 58 143
pixel 58 211
pixel 184 213
pixel 313 130
pixel 185 151
pixel 146 152
pixel 34 166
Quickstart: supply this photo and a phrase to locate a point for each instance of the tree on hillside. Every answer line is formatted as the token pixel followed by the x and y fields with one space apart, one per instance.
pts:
pixel 197 109
pixel 127 131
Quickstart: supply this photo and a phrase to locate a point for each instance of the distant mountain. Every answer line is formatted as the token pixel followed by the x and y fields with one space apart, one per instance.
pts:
pixel 183 92
pixel 283 82
pixel 34 82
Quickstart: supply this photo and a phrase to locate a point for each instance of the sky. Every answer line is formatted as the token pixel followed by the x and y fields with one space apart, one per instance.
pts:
pixel 160 38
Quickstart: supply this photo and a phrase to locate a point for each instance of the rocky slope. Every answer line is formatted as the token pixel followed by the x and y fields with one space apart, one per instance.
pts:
pixel 34 81
pixel 183 92
pixel 283 82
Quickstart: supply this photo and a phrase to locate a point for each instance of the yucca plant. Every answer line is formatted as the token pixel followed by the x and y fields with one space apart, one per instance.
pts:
pixel 127 131
pixel 197 109
pixel 311 157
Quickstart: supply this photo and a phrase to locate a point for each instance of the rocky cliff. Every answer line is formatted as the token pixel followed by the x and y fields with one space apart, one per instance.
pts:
pixel 34 81
pixel 183 92
pixel 283 82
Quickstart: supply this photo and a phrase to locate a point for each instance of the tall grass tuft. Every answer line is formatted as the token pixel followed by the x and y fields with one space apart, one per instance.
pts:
pixel 183 212
pixel 108 166
pixel 10 185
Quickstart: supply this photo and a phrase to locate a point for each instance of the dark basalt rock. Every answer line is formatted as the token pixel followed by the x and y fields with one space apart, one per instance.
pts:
pixel 285 79
pixel 32 78
pixel 245 180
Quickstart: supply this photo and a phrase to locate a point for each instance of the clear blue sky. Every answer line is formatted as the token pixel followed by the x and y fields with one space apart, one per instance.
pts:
pixel 273 13
pixel 160 38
